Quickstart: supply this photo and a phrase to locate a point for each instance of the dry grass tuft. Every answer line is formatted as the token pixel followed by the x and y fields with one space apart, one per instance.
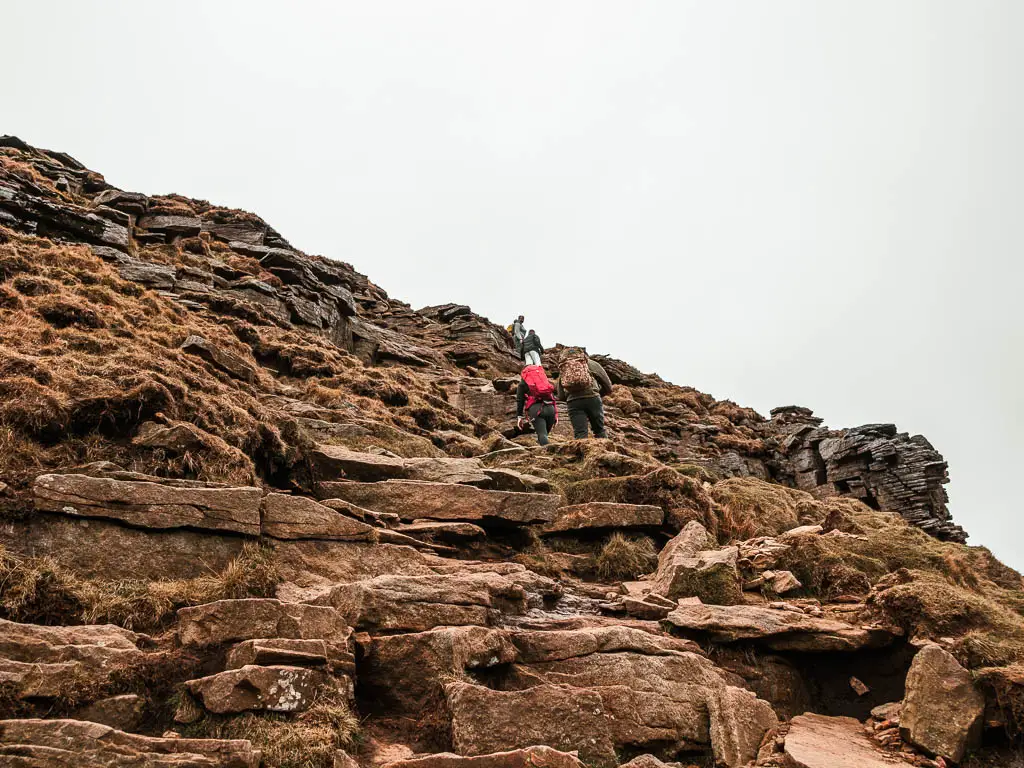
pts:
pixel 623 558
pixel 306 740
pixel 39 591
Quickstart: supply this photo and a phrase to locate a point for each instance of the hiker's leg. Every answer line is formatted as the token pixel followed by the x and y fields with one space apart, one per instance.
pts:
pixel 595 413
pixel 540 424
pixel 532 357
pixel 579 419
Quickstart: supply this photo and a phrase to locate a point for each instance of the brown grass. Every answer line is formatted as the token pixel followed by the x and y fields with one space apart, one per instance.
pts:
pixel 38 590
pixel 306 740
pixel 623 558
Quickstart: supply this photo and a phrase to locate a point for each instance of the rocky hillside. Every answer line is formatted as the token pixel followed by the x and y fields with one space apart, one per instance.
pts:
pixel 257 512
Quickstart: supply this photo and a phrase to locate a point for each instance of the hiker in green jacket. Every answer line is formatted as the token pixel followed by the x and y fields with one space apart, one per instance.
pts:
pixel 582 383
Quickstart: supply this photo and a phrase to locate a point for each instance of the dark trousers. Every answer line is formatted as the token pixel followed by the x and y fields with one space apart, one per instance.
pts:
pixel 542 416
pixel 587 411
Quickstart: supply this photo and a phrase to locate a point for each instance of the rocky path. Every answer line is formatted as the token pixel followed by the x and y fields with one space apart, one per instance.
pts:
pixel 436 653
pixel 256 512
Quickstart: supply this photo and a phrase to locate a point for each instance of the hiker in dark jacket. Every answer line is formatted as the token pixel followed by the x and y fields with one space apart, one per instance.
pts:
pixel 537 403
pixel 585 406
pixel 532 348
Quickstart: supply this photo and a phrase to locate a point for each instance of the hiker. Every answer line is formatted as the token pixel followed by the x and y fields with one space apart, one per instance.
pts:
pixel 518 330
pixel 582 383
pixel 535 396
pixel 531 348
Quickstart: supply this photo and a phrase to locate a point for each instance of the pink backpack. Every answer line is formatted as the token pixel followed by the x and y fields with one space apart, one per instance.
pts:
pixel 540 389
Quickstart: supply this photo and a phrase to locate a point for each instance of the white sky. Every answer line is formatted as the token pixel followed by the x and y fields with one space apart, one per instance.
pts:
pixel 815 202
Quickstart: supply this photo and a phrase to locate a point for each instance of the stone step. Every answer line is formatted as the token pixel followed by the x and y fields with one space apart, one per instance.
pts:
pixel 604 515
pixel 334 462
pixel 415 500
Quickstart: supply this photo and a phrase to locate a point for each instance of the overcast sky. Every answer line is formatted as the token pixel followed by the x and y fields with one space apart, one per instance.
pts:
pixel 815 202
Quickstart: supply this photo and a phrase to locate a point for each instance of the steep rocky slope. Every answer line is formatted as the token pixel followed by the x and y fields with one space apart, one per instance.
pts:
pixel 255 511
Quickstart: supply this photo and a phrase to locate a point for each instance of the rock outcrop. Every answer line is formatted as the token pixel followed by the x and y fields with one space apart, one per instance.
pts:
pixel 246 493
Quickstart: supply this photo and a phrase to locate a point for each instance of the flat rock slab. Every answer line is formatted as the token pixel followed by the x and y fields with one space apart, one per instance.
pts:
pixel 605 514
pixel 256 688
pixel 817 741
pixel 531 757
pixel 151 505
pixel 38 661
pixel 226 621
pixel 779 630
pixel 335 461
pixel 63 743
pixel 298 517
pixel 413 500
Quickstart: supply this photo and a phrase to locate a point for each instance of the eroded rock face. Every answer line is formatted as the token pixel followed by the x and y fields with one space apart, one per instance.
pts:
pixel 780 630
pixel 256 688
pixel 943 710
pixel 151 505
pixel 63 743
pixel 413 500
pixel 40 661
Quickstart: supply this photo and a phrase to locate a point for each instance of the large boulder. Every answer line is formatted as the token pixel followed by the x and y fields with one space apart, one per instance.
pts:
pixel 943 709
pixel 780 630
pixel 691 565
pixel 599 515
pixel 62 743
pixel 38 661
pixel 414 500
pixel 404 673
pixel 256 688
pixel 151 505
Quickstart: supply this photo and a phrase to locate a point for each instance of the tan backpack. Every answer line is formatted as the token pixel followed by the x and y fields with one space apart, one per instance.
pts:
pixel 574 372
